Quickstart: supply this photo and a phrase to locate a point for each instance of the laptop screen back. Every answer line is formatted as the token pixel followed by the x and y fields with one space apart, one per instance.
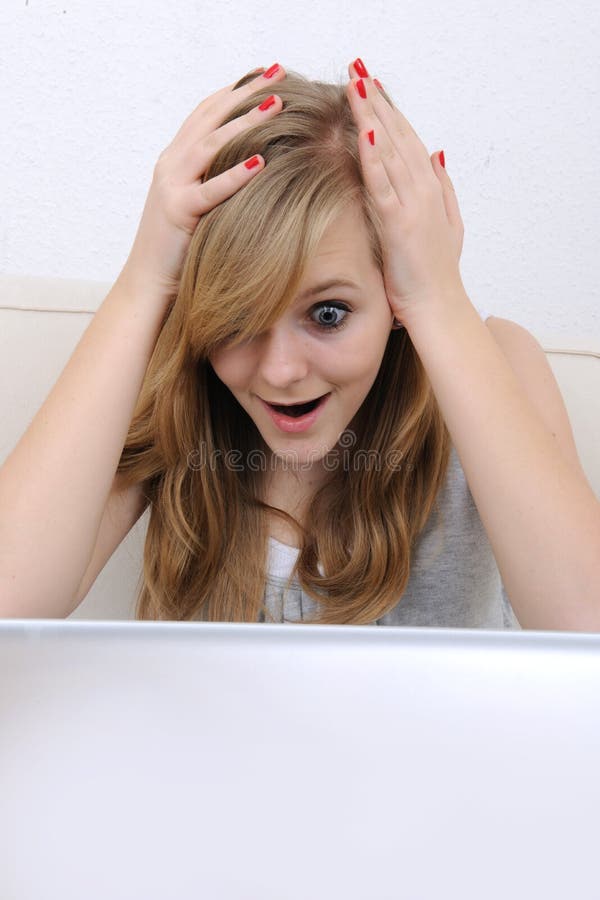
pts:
pixel 185 760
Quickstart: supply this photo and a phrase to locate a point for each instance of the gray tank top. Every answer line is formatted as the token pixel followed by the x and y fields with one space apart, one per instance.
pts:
pixel 454 580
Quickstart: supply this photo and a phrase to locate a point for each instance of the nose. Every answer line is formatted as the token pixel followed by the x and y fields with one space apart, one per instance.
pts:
pixel 283 358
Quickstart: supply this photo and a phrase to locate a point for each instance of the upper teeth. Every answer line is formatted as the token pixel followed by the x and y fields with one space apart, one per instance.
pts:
pixel 298 402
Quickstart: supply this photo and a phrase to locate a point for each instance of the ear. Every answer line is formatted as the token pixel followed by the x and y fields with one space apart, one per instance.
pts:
pixel 450 199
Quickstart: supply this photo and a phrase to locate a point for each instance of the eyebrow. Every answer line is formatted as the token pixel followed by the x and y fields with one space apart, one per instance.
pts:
pixel 325 285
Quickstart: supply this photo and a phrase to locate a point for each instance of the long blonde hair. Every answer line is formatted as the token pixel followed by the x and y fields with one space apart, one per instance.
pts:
pixel 206 546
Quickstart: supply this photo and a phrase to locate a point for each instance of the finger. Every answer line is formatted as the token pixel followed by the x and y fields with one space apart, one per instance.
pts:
pixel 377 180
pixel 403 135
pixel 258 71
pixel 214 110
pixel 387 155
pixel 413 151
pixel 354 73
pixel 450 198
pixel 194 160
pixel 204 197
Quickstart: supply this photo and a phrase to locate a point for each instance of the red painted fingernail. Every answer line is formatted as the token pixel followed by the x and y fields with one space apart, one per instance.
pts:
pixel 442 158
pixel 378 84
pixel 251 163
pixel 360 87
pixel 270 72
pixel 360 67
pixel 372 138
pixel 267 103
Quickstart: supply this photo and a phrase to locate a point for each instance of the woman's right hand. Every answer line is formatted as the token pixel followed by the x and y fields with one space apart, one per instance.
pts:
pixel 177 199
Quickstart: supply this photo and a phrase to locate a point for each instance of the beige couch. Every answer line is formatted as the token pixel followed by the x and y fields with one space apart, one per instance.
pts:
pixel 41 320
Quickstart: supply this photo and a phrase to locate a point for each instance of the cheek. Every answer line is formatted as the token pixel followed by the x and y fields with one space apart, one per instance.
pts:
pixel 352 369
pixel 361 356
pixel 232 366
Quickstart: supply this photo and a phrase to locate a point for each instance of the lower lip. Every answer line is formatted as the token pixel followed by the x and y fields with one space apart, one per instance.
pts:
pixel 301 423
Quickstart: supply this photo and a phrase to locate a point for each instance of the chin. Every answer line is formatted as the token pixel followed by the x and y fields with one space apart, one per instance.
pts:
pixel 301 455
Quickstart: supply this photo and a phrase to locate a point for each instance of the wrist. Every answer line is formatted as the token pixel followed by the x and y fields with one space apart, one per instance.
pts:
pixel 439 308
pixel 138 283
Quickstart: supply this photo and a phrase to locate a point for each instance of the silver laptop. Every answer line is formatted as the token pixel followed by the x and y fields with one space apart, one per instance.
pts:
pixel 287 762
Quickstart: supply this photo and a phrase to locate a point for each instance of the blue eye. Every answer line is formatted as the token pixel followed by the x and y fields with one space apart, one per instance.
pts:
pixel 327 315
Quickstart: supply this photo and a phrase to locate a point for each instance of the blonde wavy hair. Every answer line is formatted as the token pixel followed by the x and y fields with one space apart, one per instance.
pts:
pixel 206 546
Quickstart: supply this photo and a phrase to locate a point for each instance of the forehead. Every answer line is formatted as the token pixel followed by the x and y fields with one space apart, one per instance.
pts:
pixel 344 251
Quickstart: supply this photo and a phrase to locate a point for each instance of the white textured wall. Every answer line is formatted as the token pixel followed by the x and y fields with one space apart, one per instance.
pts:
pixel 91 93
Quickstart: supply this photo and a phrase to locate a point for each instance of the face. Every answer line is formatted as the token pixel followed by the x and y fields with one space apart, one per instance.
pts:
pixel 329 344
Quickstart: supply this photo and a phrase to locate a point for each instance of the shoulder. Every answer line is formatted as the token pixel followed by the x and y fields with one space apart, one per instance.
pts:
pixel 528 361
pixel 514 339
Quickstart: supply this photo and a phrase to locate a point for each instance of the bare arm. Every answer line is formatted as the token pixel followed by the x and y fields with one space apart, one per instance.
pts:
pixel 55 484
pixel 124 507
pixel 519 458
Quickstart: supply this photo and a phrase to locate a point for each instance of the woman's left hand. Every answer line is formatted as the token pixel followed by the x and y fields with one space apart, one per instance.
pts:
pixel 423 228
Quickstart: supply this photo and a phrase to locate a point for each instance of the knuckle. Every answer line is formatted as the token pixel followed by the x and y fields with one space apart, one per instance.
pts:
pixel 210 141
pixel 412 222
pixel 161 161
pixel 161 183
pixel 388 200
pixel 167 194
pixel 170 206
pixel 164 164
pixel 209 193
pixel 429 188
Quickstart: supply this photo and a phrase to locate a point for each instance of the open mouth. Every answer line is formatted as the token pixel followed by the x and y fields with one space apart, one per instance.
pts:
pixel 296 418
pixel 295 410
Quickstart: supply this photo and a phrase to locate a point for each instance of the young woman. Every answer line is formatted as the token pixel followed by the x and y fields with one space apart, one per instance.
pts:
pixel 290 372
